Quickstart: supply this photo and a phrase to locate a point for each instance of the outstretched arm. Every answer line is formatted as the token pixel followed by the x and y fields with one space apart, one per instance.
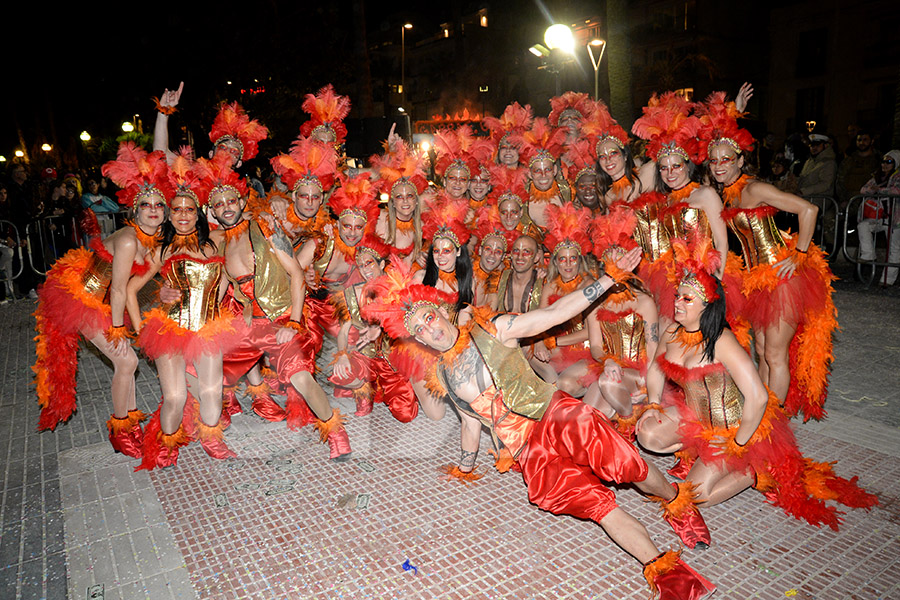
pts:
pixel 512 327
pixel 161 128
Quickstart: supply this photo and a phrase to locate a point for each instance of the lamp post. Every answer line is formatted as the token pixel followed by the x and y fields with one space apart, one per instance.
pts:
pixel 559 40
pixel 600 46
pixel 403 62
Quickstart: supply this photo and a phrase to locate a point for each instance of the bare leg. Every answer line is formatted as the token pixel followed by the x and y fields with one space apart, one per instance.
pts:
pixel 305 383
pixel 569 380
pixel 618 393
pixel 716 485
pixel 630 535
pixel 656 484
pixel 123 376
pixel 657 431
pixel 209 372
pixel 254 376
pixel 433 407
pixel 778 341
pixel 544 370
pixel 593 397
pixel 172 380
pixel 759 341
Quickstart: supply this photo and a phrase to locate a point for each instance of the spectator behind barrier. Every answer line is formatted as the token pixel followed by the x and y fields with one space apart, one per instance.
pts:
pixel 874 213
pixel 857 167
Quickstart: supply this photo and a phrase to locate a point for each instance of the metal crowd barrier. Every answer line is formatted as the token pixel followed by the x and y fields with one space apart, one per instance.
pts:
pixel 891 219
pixel 10 226
pixel 48 239
pixel 822 233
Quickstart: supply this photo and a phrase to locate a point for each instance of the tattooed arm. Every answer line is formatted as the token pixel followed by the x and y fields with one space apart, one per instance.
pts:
pixel 646 308
pixel 512 327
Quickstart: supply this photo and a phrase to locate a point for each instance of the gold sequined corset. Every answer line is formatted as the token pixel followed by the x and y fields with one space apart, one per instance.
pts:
pixel 624 337
pixel 198 280
pixel 650 232
pixel 98 275
pixel 761 242
pixel 683 221
pixel 711 393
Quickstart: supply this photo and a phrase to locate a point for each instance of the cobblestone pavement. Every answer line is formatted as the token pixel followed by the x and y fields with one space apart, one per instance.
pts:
pixel 281 521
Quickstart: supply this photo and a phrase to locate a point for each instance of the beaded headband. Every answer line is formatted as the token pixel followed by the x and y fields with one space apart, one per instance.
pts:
pixel 147 189
pixel 411 310
pixel 326 127
pixel 354 212
pixel 231 138
pixel 458 163
pixel 567 244
pixel 402 181
pixel 704 289
pixel 224 188
pixel 495 234
pixel 187 192
pixel 569 111
pixel 309 180
pixel 670 148
pixel 541 155
pixel 447 234
pixel 608 138
pixel 724 140
pixel 588 170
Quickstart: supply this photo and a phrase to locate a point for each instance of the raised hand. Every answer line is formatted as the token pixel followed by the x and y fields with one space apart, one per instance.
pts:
pixel 743 96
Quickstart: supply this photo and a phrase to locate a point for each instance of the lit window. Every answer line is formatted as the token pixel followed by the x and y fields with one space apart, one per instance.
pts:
pixel 484 20
pixel 446 32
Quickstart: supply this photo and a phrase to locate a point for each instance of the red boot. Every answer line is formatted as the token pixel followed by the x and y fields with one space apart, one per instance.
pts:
pixel 161 450
pixel 363 396
pixel 334 432
pixel 121 436
pixel 264 405
pixel 137 433
pixel 213 440
pixel 169 445
pixel 681 468
pixel 298 413
pixel 230 406
pixel 672 579
pixel 681 513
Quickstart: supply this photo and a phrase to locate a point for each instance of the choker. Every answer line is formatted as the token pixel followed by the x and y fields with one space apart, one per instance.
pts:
pixel 233 233
pixel 186 242
pixel 688 339
pixel 731 194
pixel 150 242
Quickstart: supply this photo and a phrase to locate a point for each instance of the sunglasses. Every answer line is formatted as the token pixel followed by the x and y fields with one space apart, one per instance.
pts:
pixel 887 161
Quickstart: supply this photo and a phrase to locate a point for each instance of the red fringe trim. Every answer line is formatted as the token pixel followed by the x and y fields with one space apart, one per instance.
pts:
pixel 452 473
pixel 335 423
pixel 660 566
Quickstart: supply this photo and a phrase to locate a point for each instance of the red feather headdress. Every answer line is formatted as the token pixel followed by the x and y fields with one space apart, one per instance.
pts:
pixel 460 148
pixel 516 119
pixel 182 175
pixel 400 166
pixel 216 174
pixel 669 127
pixel 719 124
pixel 487 224
pixel 308 163
pixel 138 174
pixel 696 260
pixel 601 127
pixel 507 184
pixel 395 298
pixel 356 196
pixel 374 245
pixel 568 227
pixel 541 142
pixel 327 111
pixel 613 230
pixel 232 123
pixel 570 101
pixel 582 158
pixel 445 218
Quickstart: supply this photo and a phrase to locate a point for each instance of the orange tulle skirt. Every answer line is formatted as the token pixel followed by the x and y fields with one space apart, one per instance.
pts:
pixel 161 335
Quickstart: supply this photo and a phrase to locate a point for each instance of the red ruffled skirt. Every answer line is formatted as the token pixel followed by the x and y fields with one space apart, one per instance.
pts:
pixel 161 335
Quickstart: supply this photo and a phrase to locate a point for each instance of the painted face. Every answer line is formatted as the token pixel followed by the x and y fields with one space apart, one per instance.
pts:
pixel 183 215
pixel 351 229
pixel 492 251
pixel 508 154
pixel 524 254
pixel 510 214
pixel 673 171
pixel 611 159
pixel 307 200
pixel 567 262
pixel 150 212
pixel 404 198
pixel 431 327
pixel 480 185
pixel 444 253
pixel 542 173
pixel 586 190
pixel 325 135
pixel 233 149
pixel 571 120
pixel 725 164
pixel 688 308
pixel 369 267
pixel 456 182
pixel 227 207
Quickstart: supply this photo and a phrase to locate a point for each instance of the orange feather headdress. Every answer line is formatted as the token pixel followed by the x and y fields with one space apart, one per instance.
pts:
pixel 232 123
pixel 138 174
pixel 582 158
pixel 613 230
pixel 374 245
pixel 696 260
pixel 216 175
pixel 719 124
pixel 400 166
pixel 570 101
pixel 356 196
pixel 460 148
pixel 601 127
pixel 541 142
pixel 568 227
pixel 508 184
pixel 308 163
pixel 516 119
pixel 183 176
pixel 445 218
pixel 327 111
pixel 669 127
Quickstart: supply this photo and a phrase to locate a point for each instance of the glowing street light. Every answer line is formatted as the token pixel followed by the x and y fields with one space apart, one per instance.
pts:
pixel 127 126
pixel 403 61
pixel 599 46
pixel 85 136
pixel 559 37
pixel 46 147
pixel 20 154
pixel 2 158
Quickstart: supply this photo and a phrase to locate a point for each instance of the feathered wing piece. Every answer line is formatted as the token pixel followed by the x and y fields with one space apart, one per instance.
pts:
pixel 516 119
pixel 541 141
pixel 182 175
pixel 233 123
pixel 327 110
pixel 570 101
pixel 394 297
pixel 138 173
pixel 696 260
pixel 216 174
pixel 308 163
pixel 401 165
pixel 719 124
pixel 568 227
pixel 356 196
pixel 669 127
pixel 445 218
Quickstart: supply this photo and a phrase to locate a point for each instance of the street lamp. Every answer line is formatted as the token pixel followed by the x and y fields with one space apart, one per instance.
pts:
pixel 559 40
pixel 403 61
pixel 20 153
pixel 46 147
pixel 127 126
pixel 600 46
pixel 85 136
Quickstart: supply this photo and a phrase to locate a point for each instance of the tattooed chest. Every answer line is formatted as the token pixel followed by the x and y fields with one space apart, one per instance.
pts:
pixel 467 375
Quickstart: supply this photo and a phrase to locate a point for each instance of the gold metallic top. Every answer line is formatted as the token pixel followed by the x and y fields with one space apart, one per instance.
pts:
pixel 650 232
pixel 504 290
pixel 321 264
pixel 198 280
pixel 372 349
pixel 683 221
pixel 760 239
pixel 715 398
pixel 97 277
pixel 524 392
pixel 271 283
pixel 624 337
